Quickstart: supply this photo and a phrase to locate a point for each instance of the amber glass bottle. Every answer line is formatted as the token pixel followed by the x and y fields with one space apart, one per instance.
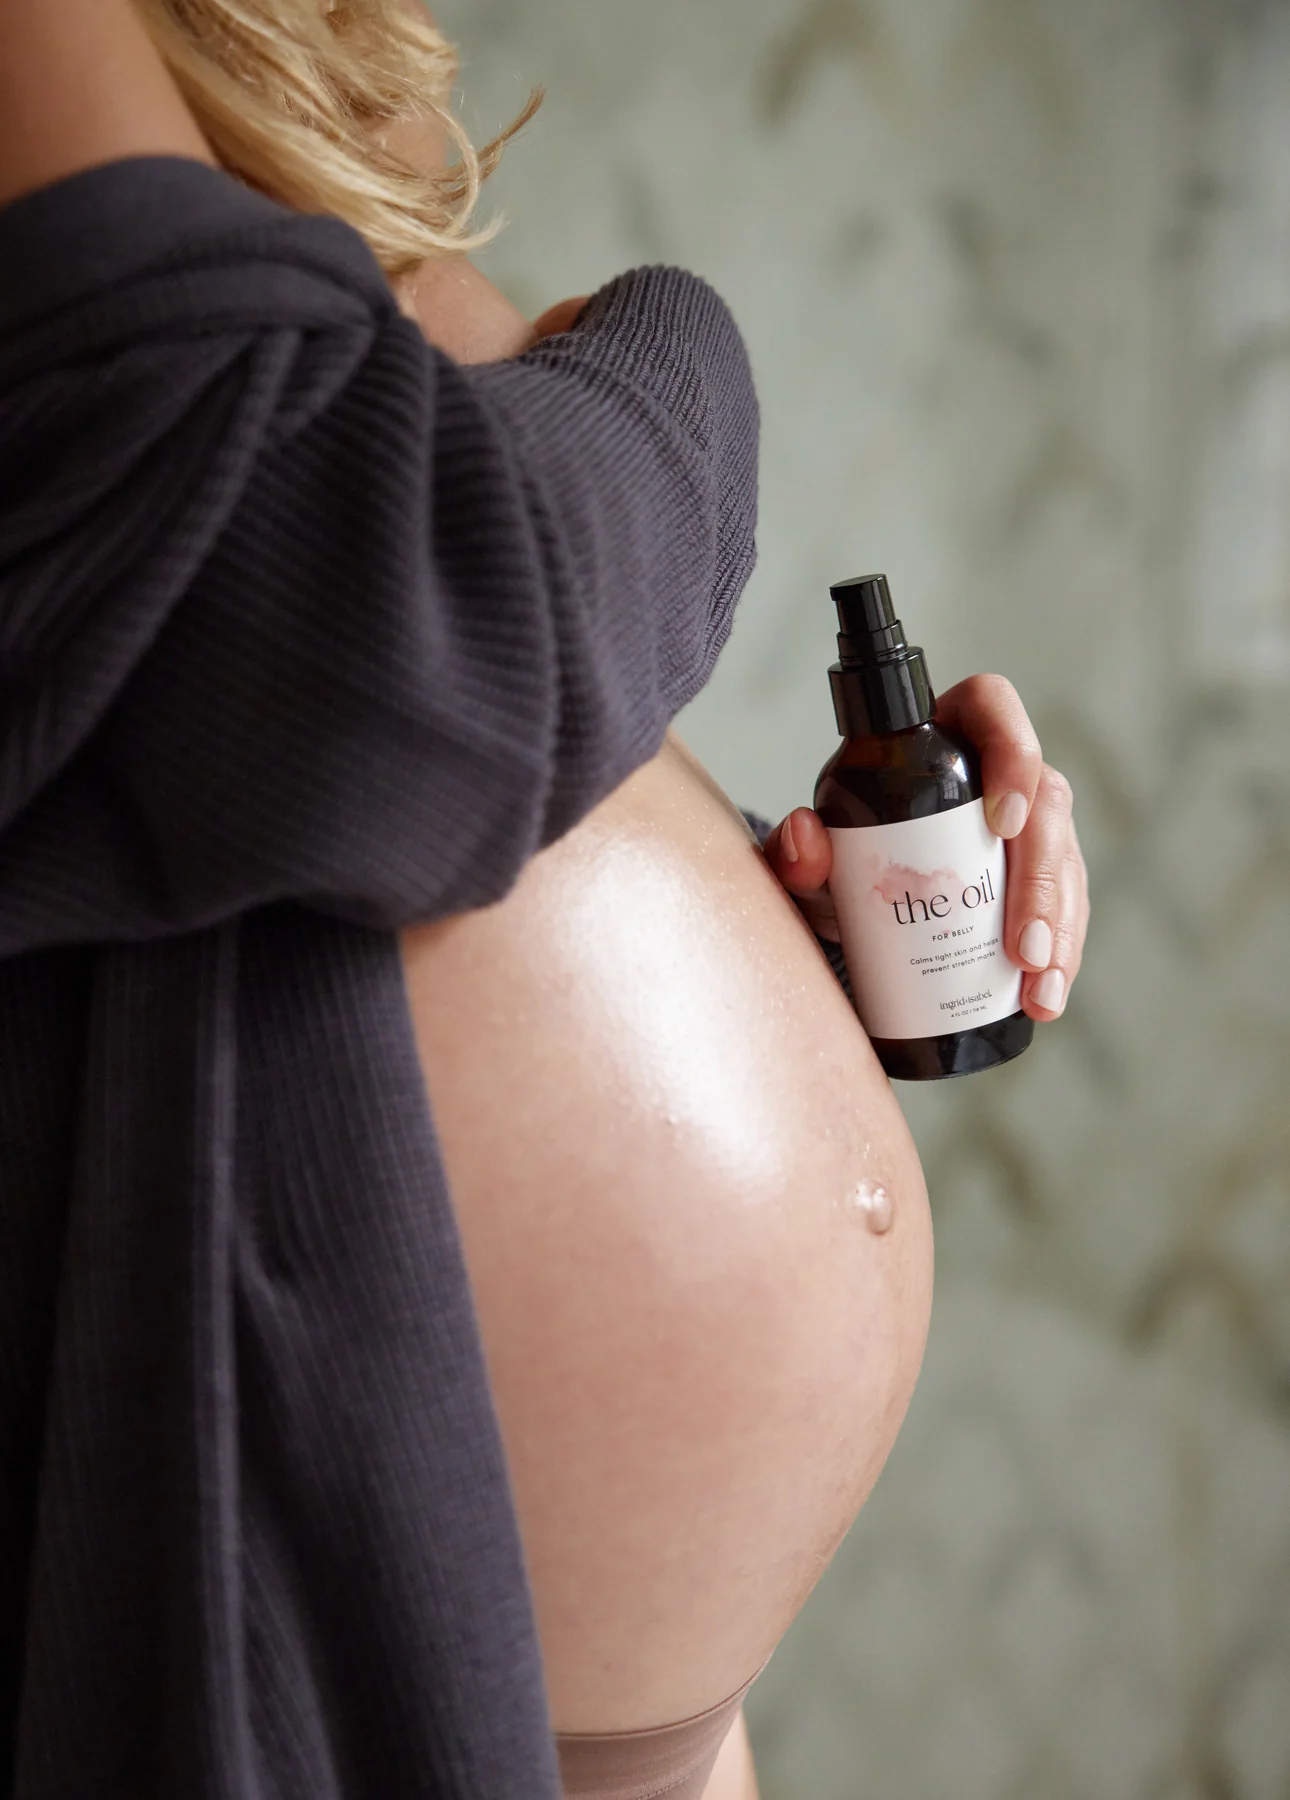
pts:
pixel 918 877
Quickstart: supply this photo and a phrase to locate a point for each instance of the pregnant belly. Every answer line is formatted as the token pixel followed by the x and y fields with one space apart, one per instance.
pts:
pixel 659 1116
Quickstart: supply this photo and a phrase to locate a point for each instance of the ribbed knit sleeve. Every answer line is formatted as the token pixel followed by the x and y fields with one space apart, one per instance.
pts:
pixel 291 605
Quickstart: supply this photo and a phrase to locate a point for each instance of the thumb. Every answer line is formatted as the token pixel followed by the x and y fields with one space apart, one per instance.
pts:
pixel 801 856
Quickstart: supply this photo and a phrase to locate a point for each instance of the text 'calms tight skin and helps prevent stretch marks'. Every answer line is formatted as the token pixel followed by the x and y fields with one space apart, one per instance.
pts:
pixel 918 877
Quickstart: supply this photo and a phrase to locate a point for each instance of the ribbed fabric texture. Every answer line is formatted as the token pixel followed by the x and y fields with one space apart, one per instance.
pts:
pixel 305 633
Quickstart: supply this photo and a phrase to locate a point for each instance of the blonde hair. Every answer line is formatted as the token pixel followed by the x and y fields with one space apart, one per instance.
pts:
pixel 299 98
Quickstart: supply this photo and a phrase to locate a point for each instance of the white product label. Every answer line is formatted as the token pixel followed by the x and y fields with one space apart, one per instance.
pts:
pixel 920 906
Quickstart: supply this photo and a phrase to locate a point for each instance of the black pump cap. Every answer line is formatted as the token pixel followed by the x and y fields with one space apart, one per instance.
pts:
pixel 865 611
pixel 880 684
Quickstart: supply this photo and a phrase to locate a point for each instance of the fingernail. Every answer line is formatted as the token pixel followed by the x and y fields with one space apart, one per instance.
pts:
pixel 1010 815
pixel 1036 945
pixel 786 841
pixel 1050 990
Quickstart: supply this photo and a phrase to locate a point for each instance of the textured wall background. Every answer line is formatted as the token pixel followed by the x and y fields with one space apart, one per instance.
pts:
pixel 1016 279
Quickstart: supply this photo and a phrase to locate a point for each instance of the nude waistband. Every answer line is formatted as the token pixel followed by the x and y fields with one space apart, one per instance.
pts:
pixel 667 1762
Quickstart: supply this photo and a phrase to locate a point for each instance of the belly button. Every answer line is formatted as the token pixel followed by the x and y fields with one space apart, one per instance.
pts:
pixel 873 1204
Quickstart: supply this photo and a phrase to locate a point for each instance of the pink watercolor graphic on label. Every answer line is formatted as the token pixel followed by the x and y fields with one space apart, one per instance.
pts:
pixel 897 880
pixel 920 909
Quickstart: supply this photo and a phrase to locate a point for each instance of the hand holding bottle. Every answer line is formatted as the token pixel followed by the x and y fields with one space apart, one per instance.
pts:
pixel 1027 802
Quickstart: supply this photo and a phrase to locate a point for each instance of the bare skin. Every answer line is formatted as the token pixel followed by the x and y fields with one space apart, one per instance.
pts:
pixel 734 1777
pixel 80 85
pixel 700 1353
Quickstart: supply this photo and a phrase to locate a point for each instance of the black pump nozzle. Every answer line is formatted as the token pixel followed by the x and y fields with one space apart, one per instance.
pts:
pixel 870 628
pixel 880 684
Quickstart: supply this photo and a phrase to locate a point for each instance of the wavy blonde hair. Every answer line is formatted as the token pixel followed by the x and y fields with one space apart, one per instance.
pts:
pixel 304 99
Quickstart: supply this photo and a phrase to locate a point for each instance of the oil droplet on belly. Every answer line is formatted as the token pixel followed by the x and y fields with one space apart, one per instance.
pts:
pixel 873 1204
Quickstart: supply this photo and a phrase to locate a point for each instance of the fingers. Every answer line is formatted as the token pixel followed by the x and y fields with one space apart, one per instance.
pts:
pixel 1047 902
pixel 1047 907
pixel 1029 804
pixel 563 316
pixel 800 853
pixel 987 710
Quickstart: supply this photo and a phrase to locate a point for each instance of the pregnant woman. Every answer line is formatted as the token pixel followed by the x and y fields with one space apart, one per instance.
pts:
pixel 336 850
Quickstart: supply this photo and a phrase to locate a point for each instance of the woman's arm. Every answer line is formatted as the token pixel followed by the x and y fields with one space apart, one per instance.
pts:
pixel 292 606
pixel 81 84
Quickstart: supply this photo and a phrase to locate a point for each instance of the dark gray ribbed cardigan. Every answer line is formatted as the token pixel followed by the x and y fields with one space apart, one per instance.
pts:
pixel 306 633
